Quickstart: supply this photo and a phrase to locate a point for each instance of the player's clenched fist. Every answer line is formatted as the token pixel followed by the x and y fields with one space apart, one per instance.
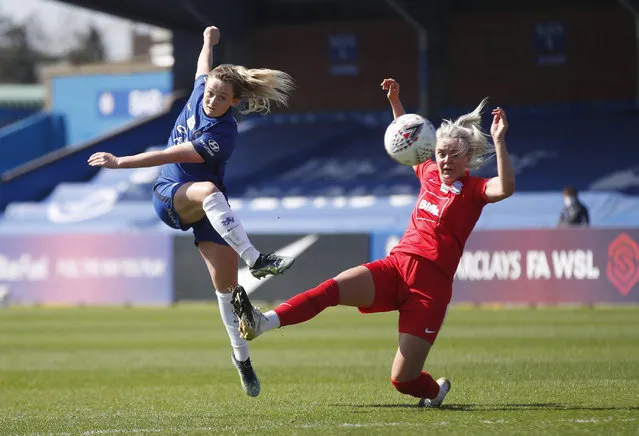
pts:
pixel 212 35
pixel 101 159
pixel 500 124
pixel 392 86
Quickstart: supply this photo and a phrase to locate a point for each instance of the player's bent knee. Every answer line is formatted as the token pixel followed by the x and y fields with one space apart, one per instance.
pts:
pixel 206 188
pixel 198 191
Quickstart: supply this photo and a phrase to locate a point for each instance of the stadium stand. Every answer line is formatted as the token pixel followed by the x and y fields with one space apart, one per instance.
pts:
pixel 19 101
pixel 329 172
pixel 316 154
pixel 34 180
pixel 46 134
pixel 549 150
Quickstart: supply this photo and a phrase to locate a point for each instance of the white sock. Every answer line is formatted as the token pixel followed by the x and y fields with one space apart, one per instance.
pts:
pixel 272 321
pixel 240 346
pixel 228 225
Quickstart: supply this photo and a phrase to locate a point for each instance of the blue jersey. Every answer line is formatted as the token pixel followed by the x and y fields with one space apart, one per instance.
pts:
pixel 213 138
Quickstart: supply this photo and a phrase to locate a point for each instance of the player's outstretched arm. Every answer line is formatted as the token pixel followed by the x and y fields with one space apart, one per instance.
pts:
pixel 502 186
pixel 205 60
pixel 181 153
pixel 392 88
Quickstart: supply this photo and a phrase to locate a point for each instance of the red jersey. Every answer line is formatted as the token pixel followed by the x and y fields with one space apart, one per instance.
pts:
pixel 443 218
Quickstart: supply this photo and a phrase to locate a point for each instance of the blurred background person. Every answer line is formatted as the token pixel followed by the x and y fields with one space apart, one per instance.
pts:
pixel 574 213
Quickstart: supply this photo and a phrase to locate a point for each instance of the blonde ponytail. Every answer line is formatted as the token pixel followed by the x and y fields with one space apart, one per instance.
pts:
pixel 258 87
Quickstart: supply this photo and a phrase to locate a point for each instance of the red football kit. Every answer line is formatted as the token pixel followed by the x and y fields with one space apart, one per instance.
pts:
pixel 416 278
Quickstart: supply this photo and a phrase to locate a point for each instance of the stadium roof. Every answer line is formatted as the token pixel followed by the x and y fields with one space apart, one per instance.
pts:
pixel 171 14
pixel 22 95
pixel 190 14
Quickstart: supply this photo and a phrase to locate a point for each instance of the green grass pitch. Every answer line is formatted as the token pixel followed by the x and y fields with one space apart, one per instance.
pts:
pixel 103 371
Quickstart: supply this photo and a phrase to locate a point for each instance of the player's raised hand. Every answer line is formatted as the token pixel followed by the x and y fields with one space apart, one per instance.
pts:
pixel 392 88
pixel 212 35
pixel 101 159
pixel 500 124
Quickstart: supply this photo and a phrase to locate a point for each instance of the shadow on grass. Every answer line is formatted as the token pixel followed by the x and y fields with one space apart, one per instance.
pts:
pixel 531 406
pixel 493 407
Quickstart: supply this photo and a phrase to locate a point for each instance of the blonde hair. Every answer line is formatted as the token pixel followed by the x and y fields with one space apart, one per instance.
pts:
pixel 258 86
pixel 466 130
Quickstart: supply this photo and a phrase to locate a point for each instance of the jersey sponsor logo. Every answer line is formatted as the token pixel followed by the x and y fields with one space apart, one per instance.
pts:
pixel 429 207
pixel 210 146
pixel 190 123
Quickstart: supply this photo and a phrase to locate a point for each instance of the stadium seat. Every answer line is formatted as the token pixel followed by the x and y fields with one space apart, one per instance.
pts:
pixel 329 172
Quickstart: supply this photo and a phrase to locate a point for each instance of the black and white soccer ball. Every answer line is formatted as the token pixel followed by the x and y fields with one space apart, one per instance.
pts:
pixel 410 139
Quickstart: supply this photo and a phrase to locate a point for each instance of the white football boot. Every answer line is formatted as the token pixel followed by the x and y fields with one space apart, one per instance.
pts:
pixel 444 388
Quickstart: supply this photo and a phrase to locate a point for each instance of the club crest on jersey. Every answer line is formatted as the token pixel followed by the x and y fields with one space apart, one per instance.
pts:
pixel 455 188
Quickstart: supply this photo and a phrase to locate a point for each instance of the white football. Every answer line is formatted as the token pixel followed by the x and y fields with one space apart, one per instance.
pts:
pixel 410 139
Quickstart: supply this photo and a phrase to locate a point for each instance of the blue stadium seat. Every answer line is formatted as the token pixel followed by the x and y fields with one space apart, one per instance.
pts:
pixel 329 172
pixel 592 151
pixel 100 210
pixel 331 157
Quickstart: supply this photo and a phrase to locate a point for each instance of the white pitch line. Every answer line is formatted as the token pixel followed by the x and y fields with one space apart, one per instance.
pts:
pixel 294 249
pixel 317 426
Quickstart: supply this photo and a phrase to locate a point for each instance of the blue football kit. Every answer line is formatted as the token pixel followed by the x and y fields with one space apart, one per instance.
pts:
pixel 214 139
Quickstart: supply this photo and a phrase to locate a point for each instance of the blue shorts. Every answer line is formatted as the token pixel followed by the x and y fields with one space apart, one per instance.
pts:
pixel 203 231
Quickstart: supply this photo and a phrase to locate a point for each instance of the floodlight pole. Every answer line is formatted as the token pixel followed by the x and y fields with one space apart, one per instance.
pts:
pixel 422 60
pixel 635 13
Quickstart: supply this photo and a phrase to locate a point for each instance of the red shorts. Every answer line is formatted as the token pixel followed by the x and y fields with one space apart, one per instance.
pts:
pixel 414 286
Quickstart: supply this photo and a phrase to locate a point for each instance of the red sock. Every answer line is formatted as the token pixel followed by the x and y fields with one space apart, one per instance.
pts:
pixel 423 386
pixel 306 305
